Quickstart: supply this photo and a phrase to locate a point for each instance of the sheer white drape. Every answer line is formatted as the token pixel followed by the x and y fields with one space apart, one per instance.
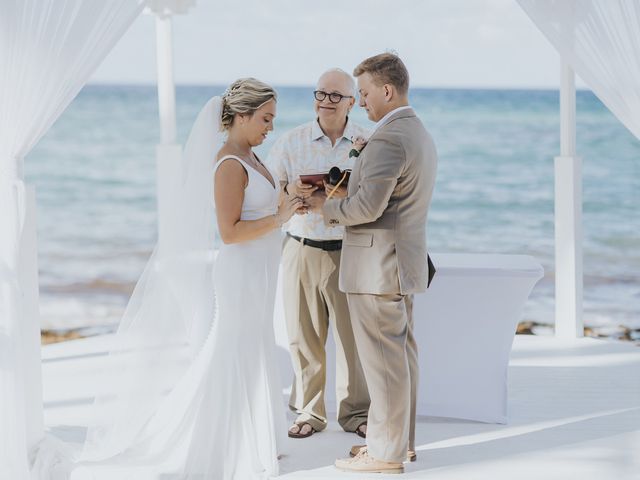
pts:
pixel 600 39
pixel 170 312
pixel 48 49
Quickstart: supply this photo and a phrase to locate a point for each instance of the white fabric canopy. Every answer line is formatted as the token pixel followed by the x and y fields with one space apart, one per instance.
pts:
pixel 600 39
pixel 48 50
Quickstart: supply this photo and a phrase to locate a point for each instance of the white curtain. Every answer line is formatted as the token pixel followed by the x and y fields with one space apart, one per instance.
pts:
pixel 600 39
pixel 48 50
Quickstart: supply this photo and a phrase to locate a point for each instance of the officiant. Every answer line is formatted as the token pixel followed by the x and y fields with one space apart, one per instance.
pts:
pixel 311 263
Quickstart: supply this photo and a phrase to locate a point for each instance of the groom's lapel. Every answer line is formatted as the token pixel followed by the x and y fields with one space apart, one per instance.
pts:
pixel 409 112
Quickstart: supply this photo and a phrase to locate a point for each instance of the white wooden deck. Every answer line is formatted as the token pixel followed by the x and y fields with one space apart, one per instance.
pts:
pixel 574 410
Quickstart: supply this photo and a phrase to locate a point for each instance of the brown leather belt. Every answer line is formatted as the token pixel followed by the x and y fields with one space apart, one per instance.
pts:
pixel 326 245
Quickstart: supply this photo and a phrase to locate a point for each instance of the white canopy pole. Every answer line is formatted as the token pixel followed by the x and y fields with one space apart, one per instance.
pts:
pixel 568 216
pixel 166 85
pixel 168 152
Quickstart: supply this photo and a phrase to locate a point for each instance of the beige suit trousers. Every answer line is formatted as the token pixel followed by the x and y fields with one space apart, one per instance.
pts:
pixel 383 327
pixel 312 302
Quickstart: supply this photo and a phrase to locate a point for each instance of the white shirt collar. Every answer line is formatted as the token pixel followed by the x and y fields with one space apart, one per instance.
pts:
pixel 317 133
pixel 384 119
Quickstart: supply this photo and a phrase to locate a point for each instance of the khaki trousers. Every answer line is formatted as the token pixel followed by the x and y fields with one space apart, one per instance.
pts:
pixel 383 327
pixel 312 302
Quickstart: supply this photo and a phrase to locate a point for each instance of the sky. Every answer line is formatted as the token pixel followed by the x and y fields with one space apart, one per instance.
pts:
pixel 444 43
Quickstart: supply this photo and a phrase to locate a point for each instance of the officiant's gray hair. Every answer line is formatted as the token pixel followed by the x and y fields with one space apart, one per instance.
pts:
pixel 351 83
pixel 244 96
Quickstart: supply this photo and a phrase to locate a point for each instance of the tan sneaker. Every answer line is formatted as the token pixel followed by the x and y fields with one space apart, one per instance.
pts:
pixel 411 454
pixel 364 463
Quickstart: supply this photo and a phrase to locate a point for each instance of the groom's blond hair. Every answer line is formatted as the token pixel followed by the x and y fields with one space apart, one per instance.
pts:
pixel 385 68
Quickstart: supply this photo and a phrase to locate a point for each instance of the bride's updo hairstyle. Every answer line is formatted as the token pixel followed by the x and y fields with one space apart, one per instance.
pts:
pixel 244 96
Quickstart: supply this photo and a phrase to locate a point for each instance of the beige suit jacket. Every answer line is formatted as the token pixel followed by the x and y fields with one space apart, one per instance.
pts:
pixel 384 249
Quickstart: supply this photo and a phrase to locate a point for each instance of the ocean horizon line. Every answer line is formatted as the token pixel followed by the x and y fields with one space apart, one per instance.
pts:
pixel 422 88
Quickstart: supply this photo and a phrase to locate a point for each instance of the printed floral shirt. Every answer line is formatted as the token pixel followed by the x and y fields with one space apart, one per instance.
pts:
pixel 306 149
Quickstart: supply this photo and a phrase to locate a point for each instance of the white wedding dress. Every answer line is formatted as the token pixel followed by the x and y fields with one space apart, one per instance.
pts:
pixel 228 410
pixel 242 412
pixel 197 393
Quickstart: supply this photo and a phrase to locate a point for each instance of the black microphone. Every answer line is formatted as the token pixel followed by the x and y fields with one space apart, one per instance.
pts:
pixel 335 174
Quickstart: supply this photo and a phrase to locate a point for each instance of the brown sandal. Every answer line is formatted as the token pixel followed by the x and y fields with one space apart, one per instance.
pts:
pixel 300 427
pixel 359 431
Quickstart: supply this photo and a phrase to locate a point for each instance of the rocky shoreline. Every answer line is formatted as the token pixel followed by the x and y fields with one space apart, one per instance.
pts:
pixel 55 336
pixel 526 327
pixel 620 332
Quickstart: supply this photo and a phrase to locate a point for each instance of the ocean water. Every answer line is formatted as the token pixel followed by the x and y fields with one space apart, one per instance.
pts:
pixel 94 174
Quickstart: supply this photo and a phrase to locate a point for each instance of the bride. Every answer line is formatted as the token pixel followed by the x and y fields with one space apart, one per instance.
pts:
pixel 198 395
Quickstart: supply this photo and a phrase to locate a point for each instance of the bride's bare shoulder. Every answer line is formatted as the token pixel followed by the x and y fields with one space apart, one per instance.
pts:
pixel 225 153
pixel 228 170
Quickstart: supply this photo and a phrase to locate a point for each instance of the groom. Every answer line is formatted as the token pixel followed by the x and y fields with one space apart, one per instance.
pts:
pixel 384 258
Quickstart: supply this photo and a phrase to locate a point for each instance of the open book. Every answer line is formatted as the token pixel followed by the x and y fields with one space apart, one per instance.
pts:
pixel 333 177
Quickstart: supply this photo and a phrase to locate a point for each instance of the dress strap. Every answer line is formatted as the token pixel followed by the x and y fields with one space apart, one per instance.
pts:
pixel 235 157
pixel 250 170
pixel 247 168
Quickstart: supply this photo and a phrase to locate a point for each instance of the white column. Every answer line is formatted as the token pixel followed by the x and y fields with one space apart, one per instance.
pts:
pixel 168 152
pixel 31 353
pixel 568 217
pixel 166 86
pixel 20 359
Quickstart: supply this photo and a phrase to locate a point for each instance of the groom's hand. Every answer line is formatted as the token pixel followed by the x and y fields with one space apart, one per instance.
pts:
pixel 300 189
pixel 316 201
pixel 339 192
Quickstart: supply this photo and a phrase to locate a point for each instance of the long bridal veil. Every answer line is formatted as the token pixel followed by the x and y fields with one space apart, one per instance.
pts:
pixel 172 307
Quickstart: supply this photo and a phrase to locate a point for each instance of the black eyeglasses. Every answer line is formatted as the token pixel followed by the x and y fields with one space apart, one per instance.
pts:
pixel 333 97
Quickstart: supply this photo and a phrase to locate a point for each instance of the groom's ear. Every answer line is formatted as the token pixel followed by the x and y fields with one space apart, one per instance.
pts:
pixel 388 92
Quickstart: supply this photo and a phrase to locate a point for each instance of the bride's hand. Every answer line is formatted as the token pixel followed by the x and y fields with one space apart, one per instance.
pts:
pixel 288 207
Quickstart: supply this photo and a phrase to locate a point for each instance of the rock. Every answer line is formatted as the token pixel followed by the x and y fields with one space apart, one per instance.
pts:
pixel 53 336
